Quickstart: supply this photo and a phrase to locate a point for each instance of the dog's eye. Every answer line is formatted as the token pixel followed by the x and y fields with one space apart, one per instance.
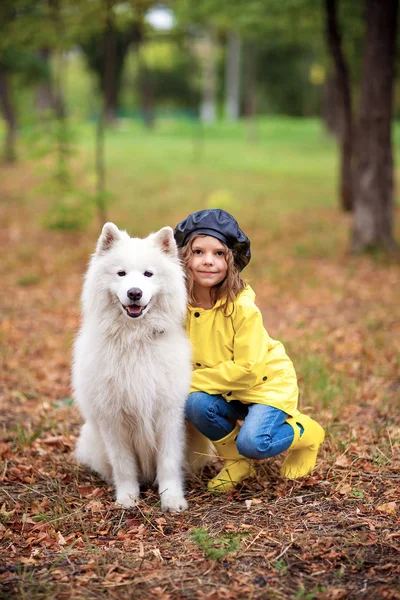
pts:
pixel 148 274
pixel 121 273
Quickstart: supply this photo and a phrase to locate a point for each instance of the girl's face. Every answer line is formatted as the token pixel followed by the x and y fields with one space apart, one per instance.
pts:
pixel 208 261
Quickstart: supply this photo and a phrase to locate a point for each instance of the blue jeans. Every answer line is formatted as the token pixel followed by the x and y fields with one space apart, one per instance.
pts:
pixel 263 434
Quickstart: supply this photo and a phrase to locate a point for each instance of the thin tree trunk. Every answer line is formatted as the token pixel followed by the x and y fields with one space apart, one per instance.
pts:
pixel 232 77
pixel 147 98
pixel 63 146
pixel 110 88
pixel 373 215
pixel 332 114
pixel 145 90
pixel 101 172
pixel 250 91
pixel 45 101
pixel 8 111
pixel 106 112
pixel 344 97
pixel 208 108
pixel 143 80
pixel 58 83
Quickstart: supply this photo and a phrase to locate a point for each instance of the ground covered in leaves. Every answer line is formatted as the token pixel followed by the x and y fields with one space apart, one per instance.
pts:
pixel 333 535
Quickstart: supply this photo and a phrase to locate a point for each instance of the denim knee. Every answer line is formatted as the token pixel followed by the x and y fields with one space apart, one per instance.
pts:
pixel 193 404
pixel 257 447
pixel 199 408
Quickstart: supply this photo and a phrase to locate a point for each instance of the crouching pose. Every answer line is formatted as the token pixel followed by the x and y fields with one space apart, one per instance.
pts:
pixel 240 373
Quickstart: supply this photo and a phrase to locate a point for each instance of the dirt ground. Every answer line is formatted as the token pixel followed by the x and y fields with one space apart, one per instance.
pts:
pixel 333 535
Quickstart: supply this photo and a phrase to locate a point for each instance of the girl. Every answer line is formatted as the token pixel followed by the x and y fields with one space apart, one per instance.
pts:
pixel 240 373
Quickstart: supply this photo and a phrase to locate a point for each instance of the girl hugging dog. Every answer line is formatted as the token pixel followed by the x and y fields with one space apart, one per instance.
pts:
pixel 240 372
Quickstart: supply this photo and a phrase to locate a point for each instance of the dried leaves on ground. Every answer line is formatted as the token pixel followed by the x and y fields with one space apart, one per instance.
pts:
pixel 330 536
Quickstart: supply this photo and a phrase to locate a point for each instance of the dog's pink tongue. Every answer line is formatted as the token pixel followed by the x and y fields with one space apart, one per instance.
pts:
pixel 134 309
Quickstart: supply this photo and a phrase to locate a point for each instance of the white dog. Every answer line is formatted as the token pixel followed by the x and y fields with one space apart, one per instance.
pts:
pixel 131 366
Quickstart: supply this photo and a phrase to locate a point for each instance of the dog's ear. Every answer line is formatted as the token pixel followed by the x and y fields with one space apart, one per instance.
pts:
pixel 164 239
pixel 109 235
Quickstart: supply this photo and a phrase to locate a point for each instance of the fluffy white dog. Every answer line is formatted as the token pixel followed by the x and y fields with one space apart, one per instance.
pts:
pixel 132 369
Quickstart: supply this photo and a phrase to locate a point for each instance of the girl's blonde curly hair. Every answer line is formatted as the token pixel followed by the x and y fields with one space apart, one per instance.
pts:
pixel 227 290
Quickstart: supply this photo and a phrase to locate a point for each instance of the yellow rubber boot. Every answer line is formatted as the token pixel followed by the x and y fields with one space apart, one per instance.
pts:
pixel 236 467
pixel 304 449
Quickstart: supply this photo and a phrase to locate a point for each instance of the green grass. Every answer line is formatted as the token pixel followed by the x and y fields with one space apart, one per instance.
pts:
pixel 24 436
pixel 27 280
pixel 157 177
pixel 182 165
pixel 215 548
pixel 319 380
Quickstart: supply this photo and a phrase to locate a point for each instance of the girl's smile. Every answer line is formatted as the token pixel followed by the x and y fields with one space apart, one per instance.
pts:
pixel 207 262
pixel 240 374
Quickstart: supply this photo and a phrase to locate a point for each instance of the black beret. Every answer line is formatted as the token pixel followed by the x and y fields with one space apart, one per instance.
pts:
pixel 219 224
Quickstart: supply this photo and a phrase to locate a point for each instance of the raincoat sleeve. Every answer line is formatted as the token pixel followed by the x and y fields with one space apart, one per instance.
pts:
pixel 249 345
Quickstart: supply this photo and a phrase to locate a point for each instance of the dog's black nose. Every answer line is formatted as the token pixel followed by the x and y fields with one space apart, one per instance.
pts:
pixel 134 294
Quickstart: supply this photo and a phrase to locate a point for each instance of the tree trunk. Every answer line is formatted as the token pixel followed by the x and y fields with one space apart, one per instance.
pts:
pixel 44 93
pixel 105 52
pixel 208 108
pixel 145 86
pixel 373 215
pixel 332 113
pixel 147 98
pixel 344 98
pixel 49 93
pixel 8 111
pixel 232 77
pixel 100 172
pixel 58 83
pixel 110 87
pixel 250 91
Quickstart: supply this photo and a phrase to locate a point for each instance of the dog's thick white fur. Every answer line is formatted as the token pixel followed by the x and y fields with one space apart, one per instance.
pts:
pixel 131 366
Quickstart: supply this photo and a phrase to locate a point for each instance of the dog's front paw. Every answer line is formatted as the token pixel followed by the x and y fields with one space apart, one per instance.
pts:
pixel 127 499
pixel 173 503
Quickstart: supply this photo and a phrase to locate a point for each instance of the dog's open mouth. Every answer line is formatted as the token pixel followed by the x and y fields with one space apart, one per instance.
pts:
pixel 134 310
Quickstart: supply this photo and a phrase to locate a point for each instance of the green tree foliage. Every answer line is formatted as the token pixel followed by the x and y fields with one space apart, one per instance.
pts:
pixel 105 48
pixel 173 87
pixel 283 75
pixel 171 69
pixel 29 65
pixel 285 40
pixel 17 60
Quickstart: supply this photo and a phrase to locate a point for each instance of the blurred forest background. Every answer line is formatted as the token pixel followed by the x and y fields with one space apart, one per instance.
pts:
pixel 285 113
pixel 116 71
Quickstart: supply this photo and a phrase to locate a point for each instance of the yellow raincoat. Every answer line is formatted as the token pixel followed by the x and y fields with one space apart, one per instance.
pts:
pixel 235 357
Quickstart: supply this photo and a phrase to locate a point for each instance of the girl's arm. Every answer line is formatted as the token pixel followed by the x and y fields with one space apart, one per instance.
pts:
pixel 250 355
